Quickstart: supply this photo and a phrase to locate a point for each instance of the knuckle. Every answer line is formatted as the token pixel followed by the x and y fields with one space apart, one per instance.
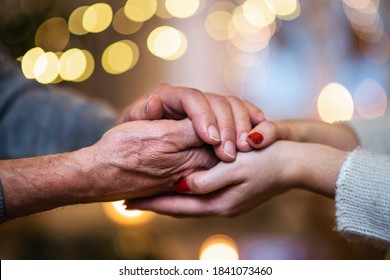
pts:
pixel 196 186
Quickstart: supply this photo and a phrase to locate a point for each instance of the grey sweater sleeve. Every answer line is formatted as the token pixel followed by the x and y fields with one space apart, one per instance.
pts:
pixel 38 119
pixel 363 185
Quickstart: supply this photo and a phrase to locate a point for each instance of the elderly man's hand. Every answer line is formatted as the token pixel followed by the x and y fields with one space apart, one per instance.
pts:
pixel 142 158
pixel 221 121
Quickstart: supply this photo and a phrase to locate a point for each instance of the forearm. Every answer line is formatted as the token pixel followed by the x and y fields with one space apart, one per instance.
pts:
pixel 38 184
pixel 337 135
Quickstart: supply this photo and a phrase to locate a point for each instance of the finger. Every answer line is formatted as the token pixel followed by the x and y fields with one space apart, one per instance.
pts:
pixel 256 115
pixel 207 181
pixel 184 135
pixel 221 108
pixel 151 108
pixel 242 123
pixel 173 205
pixel 181 102
pixel 264 134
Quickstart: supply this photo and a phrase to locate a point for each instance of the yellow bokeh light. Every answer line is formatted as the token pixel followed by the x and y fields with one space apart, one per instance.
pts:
pixel 335 103
pixel 219 247
pixel 162 10
pixel 46 68
pixel 182 9
pixel 97 17
pixel 120 57
pixel 52 35
pixel 370 99
pixel 123 25
pixel 116 212
pixel 216 25
pixel 76 65
pixel 75 22
pixel 285 9
pixel 167 42
pixel 140 10
pixel 258 13
pixel 29 60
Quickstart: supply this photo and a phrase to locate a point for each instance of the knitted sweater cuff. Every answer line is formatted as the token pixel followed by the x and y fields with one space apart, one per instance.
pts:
pixel 363 196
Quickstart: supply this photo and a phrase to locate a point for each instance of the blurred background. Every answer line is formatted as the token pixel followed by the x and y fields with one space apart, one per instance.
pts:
pixel 322 59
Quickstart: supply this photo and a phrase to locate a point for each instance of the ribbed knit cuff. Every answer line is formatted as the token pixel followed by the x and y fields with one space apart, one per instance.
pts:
pixel 1 203
pixel 363 197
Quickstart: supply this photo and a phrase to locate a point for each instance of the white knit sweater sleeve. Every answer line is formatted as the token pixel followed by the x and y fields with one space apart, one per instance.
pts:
pixel 363 185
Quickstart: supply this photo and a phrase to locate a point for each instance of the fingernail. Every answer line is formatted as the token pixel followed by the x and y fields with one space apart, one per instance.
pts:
pixel 256 138
pixel 213 133
pixel 182 186
pixel 229 149
pixel 243 137
pixel 146 105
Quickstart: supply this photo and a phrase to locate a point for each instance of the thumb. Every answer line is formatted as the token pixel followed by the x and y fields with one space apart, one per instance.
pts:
pixel 264 134
pixel 149 109
pixel 207 181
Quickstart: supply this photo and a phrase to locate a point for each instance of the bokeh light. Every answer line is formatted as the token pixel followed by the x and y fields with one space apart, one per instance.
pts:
pixel 97 17
pixel 29 60
pixel 370 99
pixel 219 247
pixel 76 65
pixel 258 13
pixel 120 57
pixel 116 212
pixel 123 25
pixel 46 68
pixel 216 25
pixel 335 103
pixel 285 9
pixel 140 10
pixel 182 9
pixel 167 43
pixel 75 22
pixel 52 35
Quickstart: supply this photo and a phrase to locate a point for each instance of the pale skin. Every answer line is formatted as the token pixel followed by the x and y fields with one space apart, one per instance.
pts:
pixel 277 166
pixel 133 159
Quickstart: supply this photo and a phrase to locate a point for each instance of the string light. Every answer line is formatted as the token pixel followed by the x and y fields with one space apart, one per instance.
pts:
pixel 52 35
pixel 97 17
pixel 140 10
pixel 167 43
pixel 182 9
pixel 120 57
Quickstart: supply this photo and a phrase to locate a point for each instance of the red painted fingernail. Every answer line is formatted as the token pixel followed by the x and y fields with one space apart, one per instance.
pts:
pixel 256 138
pixel 182 186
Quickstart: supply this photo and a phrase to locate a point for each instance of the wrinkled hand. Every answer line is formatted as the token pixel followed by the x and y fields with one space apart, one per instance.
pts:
pixel 230 189
pixel 143 158
pixel 222 121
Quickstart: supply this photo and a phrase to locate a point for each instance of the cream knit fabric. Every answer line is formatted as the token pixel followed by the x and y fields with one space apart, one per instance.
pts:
pixel 363 185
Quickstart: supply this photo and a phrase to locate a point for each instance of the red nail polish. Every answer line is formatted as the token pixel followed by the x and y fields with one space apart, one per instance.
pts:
pixel 256 138
pixel 182 186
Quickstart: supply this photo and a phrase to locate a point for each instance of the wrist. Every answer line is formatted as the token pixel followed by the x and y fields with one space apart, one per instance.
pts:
pixel 314 167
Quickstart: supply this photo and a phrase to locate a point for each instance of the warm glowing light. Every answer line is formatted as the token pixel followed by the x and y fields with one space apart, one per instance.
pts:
pixel 46 68
pixel 75 22
pixel 140 10
pixel 216 25
pixel 219 247
pixel 286 9
pixel 247 37
pixel 162 11
pixel 258 13
pixel 335 103
pixel 182 9
pixel 76 65
pixel 370 99
pixel 29 60
pixel 116 212
pixel 52 35
pixel 123 25
pixel 120 57
pixel 167 42
pixel 97 17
